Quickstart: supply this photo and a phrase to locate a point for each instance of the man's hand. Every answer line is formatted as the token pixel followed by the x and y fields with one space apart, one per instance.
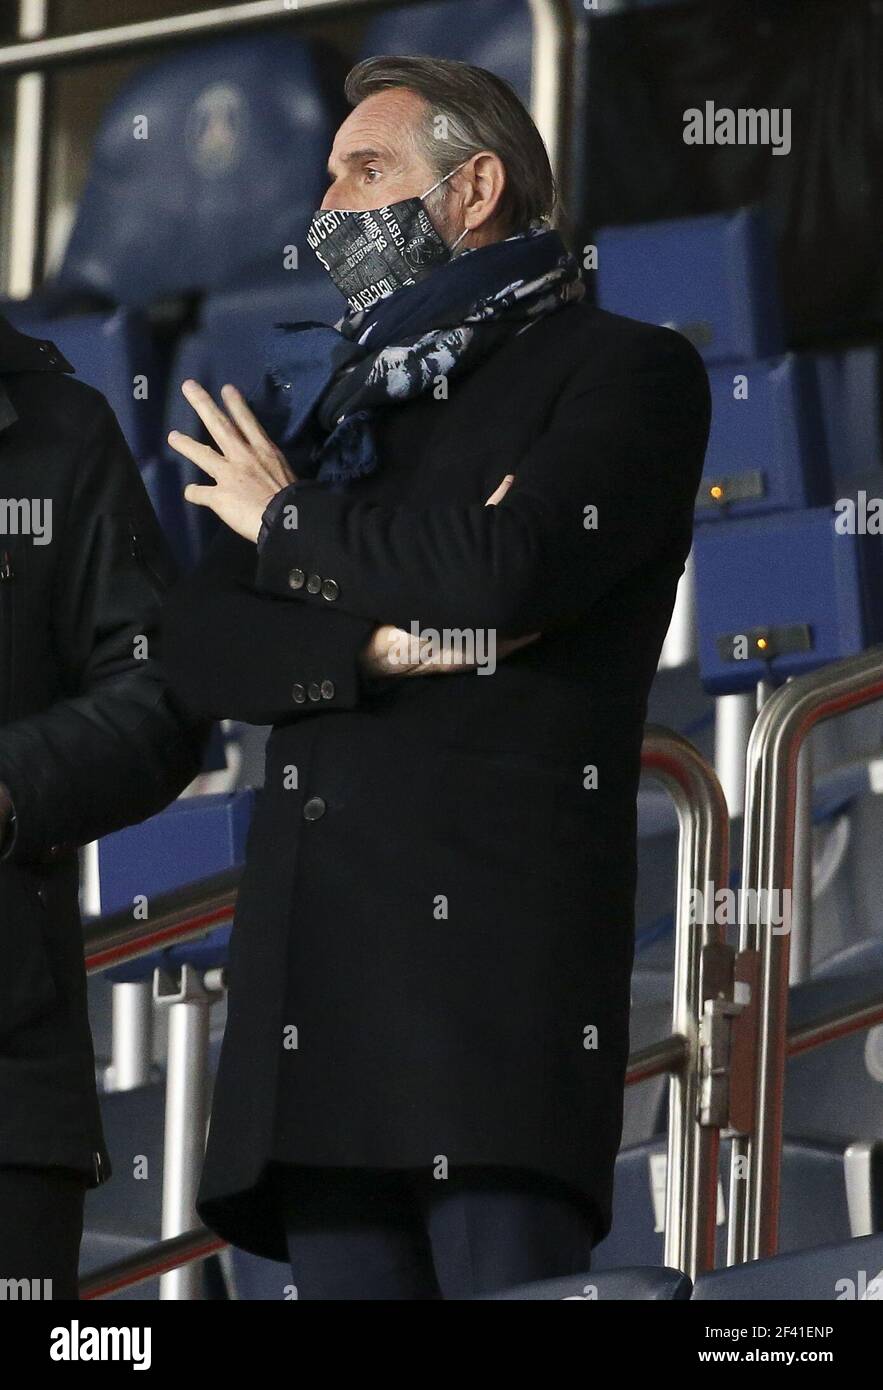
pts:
pixel 382 655
pixel 248 471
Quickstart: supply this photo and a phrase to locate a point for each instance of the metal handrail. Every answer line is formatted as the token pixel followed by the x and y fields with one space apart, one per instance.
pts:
pixel 780 731
pixel 151 1262
pixel 703 864
pixel 183 914
pixel 552 78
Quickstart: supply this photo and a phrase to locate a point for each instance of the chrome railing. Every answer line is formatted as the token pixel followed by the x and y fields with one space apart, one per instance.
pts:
pixel 771 787
pixel 703 859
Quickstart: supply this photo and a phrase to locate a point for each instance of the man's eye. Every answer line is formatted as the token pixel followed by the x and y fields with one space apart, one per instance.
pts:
pixel 370 172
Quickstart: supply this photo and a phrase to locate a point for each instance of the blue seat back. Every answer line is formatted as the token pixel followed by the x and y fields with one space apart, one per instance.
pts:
pixel 766 451
pixel 193 838
pixel 791 581
pixel 207 165
pixel 844 1272
pixel 711 278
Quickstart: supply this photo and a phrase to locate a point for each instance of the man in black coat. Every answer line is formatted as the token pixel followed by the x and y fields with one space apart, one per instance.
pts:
pixel 421 1082
pixel 90 741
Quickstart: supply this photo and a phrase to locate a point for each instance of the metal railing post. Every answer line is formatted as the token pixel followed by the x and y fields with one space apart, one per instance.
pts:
pixel 767 880
pixel 703 868
pixel 186 1115
pixel 28 168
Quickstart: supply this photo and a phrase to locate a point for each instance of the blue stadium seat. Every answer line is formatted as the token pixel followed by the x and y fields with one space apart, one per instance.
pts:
pixel 193 838
pixel 711 278
pixel 850 1270
pixel 827 1185
pixel 766 451
pixel 239 132
pixel 791 582
pixel 497 35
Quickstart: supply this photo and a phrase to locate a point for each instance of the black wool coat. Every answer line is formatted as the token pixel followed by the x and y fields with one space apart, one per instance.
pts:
pixel 90 739
pixel 433 941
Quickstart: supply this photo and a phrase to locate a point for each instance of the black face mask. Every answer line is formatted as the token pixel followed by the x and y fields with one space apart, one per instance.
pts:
pixel 371 254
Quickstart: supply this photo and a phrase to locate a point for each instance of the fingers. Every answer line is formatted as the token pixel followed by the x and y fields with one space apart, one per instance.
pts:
pixel 245 420
pixel 198 494
pixel 220 427
pixel 501 491
pixel 203 455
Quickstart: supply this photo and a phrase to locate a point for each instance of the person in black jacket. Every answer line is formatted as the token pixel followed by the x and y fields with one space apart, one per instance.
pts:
pixel 421 1082
pixel 90 741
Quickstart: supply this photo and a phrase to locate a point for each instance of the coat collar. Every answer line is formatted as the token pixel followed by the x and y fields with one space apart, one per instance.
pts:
pixel 20 353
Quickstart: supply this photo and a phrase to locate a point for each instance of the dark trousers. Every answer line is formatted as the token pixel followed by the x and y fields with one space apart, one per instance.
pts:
pixel 379 1234
pixel 41 1226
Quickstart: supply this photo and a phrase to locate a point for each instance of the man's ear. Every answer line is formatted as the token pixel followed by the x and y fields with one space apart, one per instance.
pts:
pixel 484 193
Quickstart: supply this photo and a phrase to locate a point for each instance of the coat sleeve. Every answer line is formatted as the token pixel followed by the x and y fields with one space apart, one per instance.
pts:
pixel 114 747
pixel 232 652
pixel 610 482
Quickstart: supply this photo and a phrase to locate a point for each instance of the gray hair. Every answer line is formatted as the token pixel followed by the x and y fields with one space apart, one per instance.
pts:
pixel 468 110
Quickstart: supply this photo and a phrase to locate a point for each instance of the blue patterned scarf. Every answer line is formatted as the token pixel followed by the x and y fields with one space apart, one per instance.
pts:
pixel 322 386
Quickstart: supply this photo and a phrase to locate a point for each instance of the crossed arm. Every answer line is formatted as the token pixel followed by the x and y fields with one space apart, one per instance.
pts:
pixel 604 492
pixel 263 471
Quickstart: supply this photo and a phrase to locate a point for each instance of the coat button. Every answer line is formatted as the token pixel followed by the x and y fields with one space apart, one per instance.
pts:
pixel 314 808
pixel 296 579
pixel 298 694
pixel 327 690
pixel 330 589
pixel 313 691
pixel 314 583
